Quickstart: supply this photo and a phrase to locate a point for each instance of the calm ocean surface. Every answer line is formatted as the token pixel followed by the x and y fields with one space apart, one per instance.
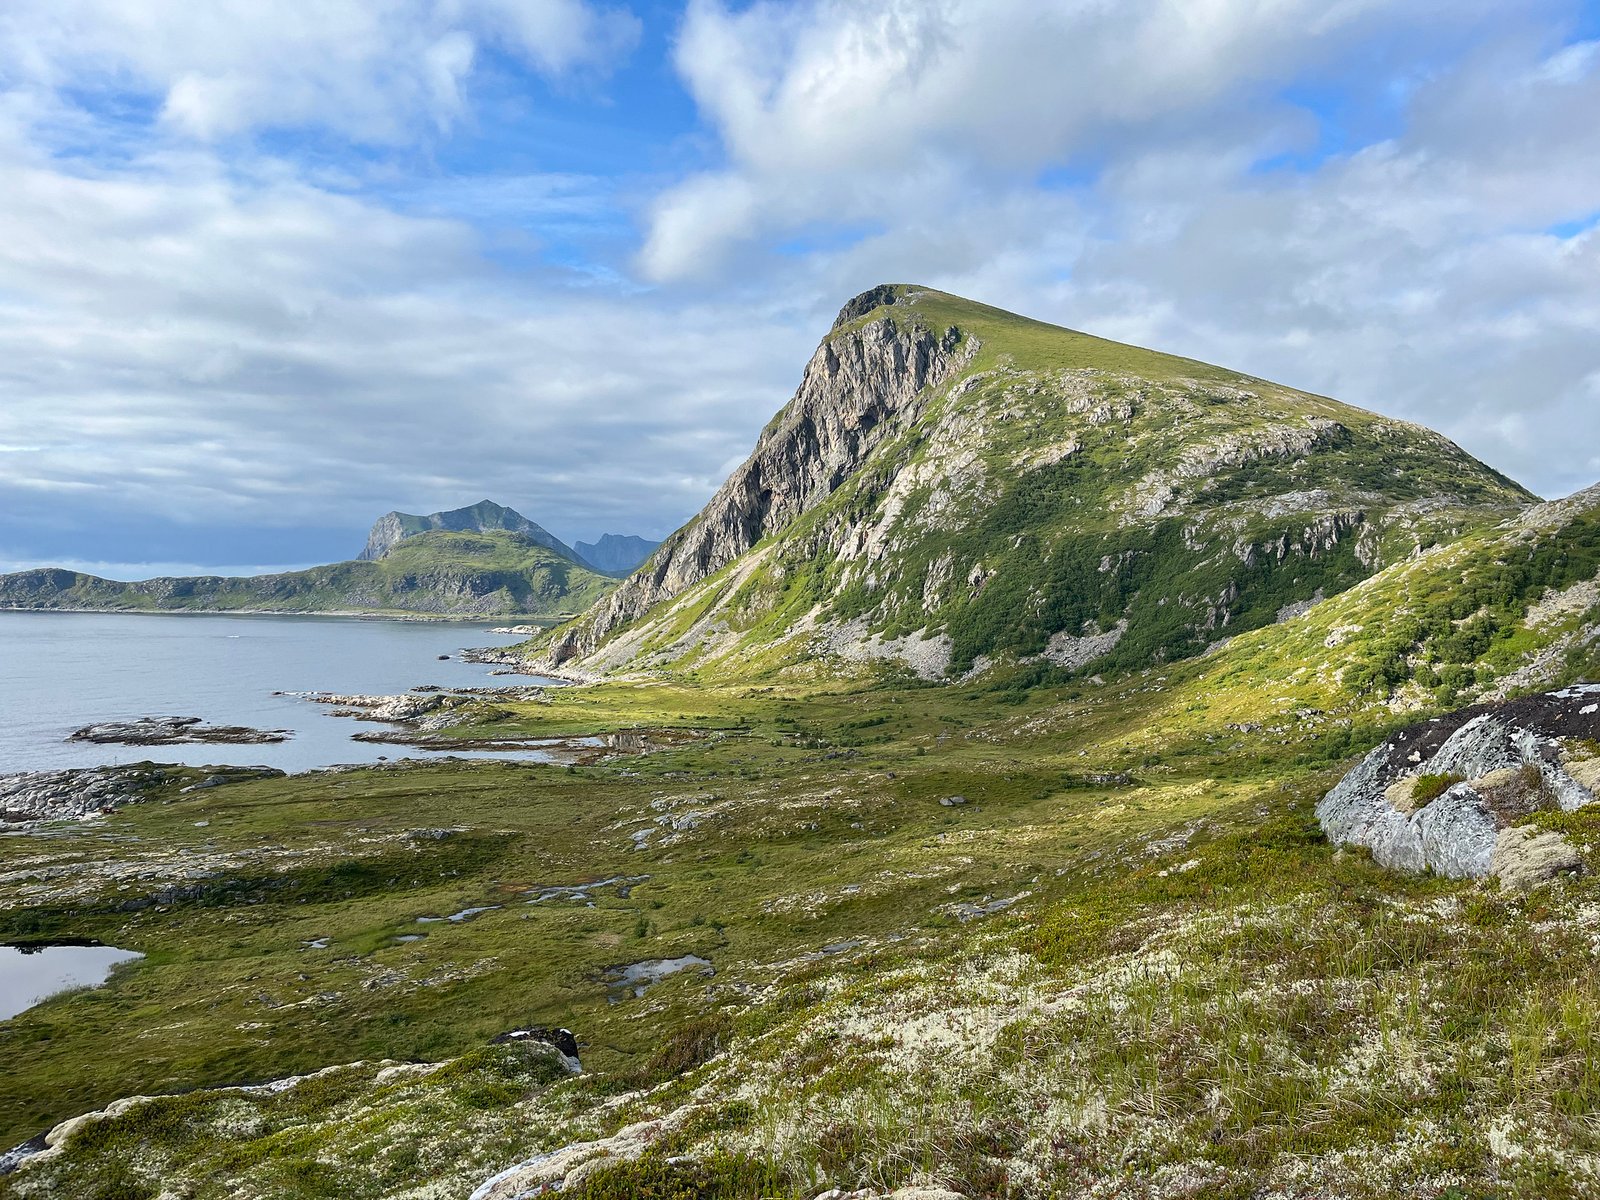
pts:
pixel 61 671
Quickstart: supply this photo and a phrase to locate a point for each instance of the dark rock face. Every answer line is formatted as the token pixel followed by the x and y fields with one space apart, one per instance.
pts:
pixel 14 1158
pixel 859 389
pixel 860 306
pixel 562 1039
pixel 393 528
pixel 1444 795
pixel 172 731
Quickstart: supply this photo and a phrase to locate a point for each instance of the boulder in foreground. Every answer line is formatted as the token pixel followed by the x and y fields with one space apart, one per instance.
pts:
pixel 1449 795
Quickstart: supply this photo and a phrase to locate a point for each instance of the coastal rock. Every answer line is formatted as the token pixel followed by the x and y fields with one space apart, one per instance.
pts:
pixel 174 731
pixel 1445 795
pixel 87 792
pixel 424 711
pixel 66 795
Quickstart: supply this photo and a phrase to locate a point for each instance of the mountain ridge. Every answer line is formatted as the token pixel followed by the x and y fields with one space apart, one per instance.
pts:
pixel 939 450
pixel 436 573
pixel 485 516
pixel 617 553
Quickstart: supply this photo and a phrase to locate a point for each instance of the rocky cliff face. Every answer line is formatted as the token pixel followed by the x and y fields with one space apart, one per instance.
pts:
pixel 395 527
pixel 954 487
pixel 859 389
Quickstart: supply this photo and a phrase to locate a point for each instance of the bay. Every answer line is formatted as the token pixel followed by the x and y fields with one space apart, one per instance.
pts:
pixel 61 671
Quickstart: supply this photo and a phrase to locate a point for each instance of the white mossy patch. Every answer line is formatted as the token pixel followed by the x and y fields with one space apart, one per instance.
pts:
pixel 1525 857
pixel 925 655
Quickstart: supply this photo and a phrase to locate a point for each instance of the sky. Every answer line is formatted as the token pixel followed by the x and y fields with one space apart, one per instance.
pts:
pixel 270 270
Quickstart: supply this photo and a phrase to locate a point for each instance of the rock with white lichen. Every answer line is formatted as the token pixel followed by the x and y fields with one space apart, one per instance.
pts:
pixel 1450 795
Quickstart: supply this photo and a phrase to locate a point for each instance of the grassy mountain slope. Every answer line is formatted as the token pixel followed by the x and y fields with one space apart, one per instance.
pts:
pixel 481 574
pixel 483 517
pixel 1127 964
pixel 1053 497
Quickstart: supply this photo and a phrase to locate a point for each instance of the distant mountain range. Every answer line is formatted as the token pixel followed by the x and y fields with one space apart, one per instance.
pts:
pixel 617 554
pixel 483 560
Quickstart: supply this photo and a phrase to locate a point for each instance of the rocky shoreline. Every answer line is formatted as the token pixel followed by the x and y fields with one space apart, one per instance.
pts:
pixel 77 794
pixel 175 731
pixel 423 717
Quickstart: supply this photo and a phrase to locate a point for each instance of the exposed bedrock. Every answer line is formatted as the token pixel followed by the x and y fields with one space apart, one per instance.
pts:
pixel 1451 795
pixel 857 391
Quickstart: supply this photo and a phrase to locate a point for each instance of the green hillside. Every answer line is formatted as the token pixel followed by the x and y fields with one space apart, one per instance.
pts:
pixel 1052 497
pixel 436 572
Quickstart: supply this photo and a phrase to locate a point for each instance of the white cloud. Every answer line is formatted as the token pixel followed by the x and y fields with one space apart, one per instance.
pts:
pixel 199 345
pixel 1419 272
pixel 374 70
pixel 824 107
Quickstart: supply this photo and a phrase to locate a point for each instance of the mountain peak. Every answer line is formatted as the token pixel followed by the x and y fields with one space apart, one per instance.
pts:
pixel 395 527
pixel 874 297
pixel 954 485
pixel 617 553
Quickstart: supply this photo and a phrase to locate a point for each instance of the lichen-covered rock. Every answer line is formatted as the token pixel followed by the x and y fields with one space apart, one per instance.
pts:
pixel 173 731
pixel 569 1165
pixel 1525 857
pixel 1444 795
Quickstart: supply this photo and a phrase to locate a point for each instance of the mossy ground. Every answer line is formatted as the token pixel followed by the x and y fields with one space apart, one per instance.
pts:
pixel 1188 975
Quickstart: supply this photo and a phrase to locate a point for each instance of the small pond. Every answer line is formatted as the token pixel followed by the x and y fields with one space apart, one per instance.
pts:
pixel 30 974
pixel 637 977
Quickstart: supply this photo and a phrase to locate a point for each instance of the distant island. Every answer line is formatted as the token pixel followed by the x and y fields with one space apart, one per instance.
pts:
pixel 482 560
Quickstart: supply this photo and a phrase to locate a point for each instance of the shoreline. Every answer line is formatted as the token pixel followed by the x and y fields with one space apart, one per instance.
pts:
pixel 342 614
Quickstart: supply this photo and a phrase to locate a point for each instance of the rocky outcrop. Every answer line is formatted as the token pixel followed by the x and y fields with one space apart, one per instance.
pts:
pixel 174 731
pixel 77 794
pixel 1446 795
pixel 395 527
pixel 860 387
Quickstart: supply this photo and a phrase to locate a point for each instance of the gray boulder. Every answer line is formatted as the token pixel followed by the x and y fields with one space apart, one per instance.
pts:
pixel 1446 795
